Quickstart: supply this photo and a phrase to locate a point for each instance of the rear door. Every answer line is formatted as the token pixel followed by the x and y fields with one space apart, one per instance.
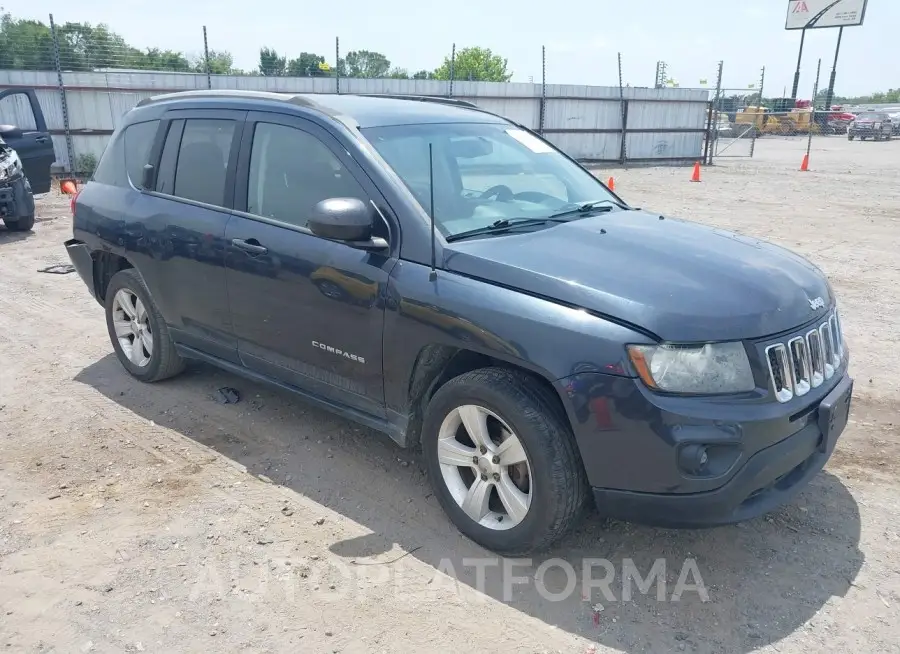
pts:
pixel 23 128
pixel 183 226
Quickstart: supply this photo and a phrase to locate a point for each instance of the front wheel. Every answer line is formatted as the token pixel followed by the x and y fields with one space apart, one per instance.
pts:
pixel 503 462
pixel 849 137
pixel 138 331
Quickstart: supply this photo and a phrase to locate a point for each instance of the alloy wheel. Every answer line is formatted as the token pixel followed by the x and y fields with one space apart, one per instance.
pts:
pixel 485 467
pixel 132 326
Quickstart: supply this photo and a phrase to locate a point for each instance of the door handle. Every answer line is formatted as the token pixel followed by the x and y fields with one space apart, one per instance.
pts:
pixel 250 246
pixel 40 139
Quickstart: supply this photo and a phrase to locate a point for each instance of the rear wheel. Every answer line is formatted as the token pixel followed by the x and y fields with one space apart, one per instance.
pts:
pixel 502 461
pixel 138 332
pixel 23 224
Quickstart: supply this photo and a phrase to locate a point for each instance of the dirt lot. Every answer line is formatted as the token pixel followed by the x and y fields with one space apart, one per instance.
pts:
pixel 133 517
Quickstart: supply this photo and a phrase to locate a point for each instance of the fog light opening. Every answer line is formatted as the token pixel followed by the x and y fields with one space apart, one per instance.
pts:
pixel 694 459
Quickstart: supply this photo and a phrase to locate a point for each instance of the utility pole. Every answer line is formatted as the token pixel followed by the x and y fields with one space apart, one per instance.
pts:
pixel 797 72
pixel 829 95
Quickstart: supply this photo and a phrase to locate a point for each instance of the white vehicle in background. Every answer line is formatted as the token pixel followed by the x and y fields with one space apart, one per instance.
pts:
pixel 722 126
pixel 894 113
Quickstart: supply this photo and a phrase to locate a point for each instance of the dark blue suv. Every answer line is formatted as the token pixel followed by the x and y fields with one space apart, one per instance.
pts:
pixel 446 276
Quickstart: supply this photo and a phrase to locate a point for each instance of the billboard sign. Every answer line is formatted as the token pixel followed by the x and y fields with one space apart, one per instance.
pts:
pixel 813 14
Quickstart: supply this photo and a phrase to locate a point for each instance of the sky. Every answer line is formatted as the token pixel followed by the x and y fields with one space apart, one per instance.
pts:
pixel 582 37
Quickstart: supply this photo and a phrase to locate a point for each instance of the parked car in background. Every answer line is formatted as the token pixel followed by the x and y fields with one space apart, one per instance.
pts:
pixel 875 125
pixel 26 154
pixel 28 135
pixel 446 276
pixel 16 198
pixel 894 114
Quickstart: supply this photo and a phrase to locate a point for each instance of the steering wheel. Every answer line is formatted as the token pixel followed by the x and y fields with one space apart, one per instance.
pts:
pixel 503 193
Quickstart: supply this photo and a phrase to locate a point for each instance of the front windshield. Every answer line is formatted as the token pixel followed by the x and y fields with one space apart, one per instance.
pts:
pixel 484 173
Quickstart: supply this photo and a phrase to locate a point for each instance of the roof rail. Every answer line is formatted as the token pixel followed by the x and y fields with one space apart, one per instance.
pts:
pixel 438 99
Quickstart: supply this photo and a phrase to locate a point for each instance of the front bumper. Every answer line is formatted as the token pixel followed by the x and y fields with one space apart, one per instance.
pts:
pixel 761 454
pixel 16 199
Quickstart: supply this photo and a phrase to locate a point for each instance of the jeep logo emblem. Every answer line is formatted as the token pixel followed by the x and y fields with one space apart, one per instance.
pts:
pixel 816 303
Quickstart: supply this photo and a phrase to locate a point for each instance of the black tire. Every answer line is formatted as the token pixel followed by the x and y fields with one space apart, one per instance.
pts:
pixel 164 361
pixel 850 137
pixel 23 224
pixel 559 485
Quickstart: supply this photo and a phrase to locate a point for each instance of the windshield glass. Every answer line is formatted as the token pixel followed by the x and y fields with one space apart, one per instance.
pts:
pixel 484 172
pixel 869 116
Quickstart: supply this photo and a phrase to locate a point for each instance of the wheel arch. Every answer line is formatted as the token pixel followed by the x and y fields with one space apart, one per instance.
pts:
pixel 105 265
pixel 436 364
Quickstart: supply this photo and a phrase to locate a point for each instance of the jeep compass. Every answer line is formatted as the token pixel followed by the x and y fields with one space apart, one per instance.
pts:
pixel 448 277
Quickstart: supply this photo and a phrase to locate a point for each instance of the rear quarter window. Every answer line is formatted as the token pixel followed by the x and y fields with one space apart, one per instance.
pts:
pixel 111 167
pixel 139 139
pixel 127 153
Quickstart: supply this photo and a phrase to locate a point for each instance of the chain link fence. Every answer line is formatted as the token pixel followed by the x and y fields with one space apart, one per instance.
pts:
pixel 87 77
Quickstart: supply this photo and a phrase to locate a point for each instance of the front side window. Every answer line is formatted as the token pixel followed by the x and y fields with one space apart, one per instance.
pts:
pixel 203 160
pixel 291 171
pixel 484 173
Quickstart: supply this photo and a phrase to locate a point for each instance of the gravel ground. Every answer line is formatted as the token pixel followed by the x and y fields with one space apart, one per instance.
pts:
pixel 152 518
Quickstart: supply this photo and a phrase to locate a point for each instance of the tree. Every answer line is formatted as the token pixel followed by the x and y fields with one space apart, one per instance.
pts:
pixel 28 44
pixel 476 64
pixel 306 65
pixel 25 44
pixel 221 62
pixel 398 73
pixel 365 64
pixel 270 64
pixel 165 60
pixel 422 74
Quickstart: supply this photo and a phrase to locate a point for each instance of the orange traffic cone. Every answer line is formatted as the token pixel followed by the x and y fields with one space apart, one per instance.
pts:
pixel 805 165
pixel 695 176
pixel 67 186
pixel 611 184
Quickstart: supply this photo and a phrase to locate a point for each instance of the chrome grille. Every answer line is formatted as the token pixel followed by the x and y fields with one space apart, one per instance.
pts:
pixel 806 362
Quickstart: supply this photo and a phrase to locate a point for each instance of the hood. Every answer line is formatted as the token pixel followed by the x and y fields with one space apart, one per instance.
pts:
pixel 681 281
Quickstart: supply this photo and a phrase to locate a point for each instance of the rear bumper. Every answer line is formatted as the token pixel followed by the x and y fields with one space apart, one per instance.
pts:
pixel 80 255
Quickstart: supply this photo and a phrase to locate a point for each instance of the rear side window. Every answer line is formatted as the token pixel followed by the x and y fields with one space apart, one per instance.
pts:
pixel 138 143
pixel 203 158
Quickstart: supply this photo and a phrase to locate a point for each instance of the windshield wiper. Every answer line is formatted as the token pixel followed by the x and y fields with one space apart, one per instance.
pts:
pixel 589 207
pixel 504 225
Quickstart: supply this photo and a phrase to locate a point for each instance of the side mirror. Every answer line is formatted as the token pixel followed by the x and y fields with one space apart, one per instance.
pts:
pixel 148 177
pixel 346 219
pixel 10 131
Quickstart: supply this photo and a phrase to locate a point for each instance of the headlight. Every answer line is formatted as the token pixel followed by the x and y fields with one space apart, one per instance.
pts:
pixel 707 369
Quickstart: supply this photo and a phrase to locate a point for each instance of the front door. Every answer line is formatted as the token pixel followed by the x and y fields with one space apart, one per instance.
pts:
pixel 305 310
pixel 23 128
